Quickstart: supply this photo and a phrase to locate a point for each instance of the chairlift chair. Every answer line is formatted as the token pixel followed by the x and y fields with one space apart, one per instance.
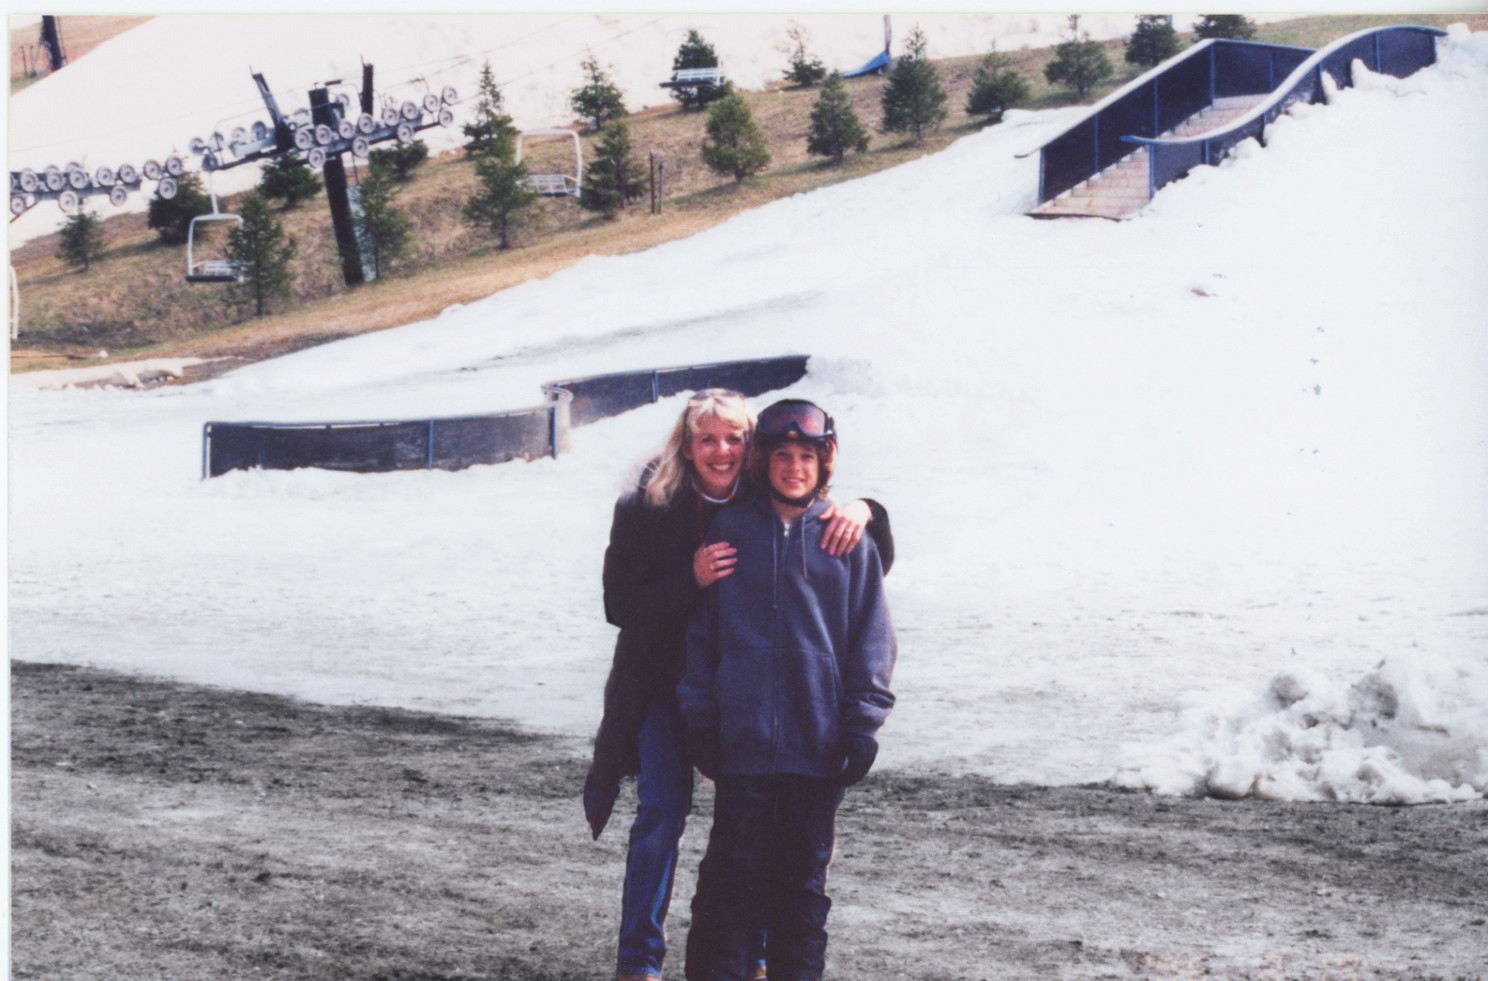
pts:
pixel 215 270
pixel 555 185
pixel 701 78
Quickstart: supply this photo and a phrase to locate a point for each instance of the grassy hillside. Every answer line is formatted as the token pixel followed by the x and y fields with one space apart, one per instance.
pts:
pixel 80 34
pixel 136 303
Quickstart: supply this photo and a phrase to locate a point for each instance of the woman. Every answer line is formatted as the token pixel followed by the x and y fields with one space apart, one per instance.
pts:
pixel 655 570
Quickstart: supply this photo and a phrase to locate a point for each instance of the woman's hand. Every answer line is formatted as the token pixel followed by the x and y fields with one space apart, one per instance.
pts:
pixel 712 563
pixel 845 526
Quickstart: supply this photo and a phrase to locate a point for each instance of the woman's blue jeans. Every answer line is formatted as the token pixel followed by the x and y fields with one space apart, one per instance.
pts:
pixel 664 787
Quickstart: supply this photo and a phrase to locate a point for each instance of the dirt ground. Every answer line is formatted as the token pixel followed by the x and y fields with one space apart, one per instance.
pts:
pixel 164 830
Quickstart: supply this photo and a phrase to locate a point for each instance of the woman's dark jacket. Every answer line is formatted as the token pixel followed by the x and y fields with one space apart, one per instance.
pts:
pixel 649 593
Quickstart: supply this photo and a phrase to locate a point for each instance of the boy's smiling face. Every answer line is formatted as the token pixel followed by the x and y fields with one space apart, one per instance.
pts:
pixel 794 469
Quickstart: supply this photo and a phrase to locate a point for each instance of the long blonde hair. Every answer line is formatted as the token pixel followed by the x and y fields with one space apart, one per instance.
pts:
pixel 673 471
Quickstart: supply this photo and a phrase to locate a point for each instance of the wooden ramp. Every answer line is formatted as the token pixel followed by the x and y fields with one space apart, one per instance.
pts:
pixel 1123 189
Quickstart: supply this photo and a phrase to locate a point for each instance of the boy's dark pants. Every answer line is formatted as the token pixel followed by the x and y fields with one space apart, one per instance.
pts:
pixel 765 871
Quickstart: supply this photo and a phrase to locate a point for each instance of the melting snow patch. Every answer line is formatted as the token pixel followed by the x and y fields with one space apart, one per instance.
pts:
pixel 1404 733
pixel 129 374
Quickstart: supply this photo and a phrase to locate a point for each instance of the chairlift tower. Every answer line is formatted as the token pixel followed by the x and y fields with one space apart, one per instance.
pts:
pixel 322 135
pixel 51 40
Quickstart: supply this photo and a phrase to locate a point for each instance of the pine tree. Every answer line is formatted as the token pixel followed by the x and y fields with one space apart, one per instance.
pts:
pixel 171 217
pixel 499 207
pixel 80 242
pixel 290 179
pixel 401 159
pixel 1079 62
pixel 697 53
pixel 835 127
pixel 383 230
pixel 805 69
pixel 1235 27
pixel 735 146
pixel 995 88
pixel 913 101
pixel 260 253
pixel 599 99
pixel 613 179
pixel 492 131
pixel 1153 42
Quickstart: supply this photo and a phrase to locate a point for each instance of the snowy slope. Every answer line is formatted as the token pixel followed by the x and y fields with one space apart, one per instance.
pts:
pixel 1194 501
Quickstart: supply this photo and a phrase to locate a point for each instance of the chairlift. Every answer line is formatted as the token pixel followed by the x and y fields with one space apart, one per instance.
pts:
pixel 695 78
pixel 555 185
pixel 214 270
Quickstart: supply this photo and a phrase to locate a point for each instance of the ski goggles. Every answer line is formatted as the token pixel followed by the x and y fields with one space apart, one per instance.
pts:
pixel 795 418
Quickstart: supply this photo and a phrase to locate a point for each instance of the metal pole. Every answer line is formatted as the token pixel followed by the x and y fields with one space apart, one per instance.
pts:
pixel 337 196
pixel 51 39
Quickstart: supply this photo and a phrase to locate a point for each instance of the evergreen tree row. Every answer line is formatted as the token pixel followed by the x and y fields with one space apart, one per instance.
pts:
pixel 912 101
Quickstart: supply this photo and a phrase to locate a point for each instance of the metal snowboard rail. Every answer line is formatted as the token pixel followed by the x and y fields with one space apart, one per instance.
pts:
pixel 457 442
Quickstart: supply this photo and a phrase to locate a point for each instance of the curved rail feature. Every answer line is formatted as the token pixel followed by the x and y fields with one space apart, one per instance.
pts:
pixel 1148 116
pixel 1397 51
pixel 457 442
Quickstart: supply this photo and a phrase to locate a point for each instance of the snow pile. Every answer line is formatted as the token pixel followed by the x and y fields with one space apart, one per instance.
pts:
pixel 128 374
pixel 1407 732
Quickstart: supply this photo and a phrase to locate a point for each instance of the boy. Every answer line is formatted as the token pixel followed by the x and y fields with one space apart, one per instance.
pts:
pixel 787 683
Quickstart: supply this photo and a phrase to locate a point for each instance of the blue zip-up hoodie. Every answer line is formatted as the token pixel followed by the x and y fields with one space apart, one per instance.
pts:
pixel 791 651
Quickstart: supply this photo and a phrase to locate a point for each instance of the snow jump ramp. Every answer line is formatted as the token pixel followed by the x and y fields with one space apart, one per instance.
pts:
pixel 1195 107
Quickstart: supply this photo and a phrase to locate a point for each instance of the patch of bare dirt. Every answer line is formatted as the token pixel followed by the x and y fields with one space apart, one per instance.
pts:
pixel 165 830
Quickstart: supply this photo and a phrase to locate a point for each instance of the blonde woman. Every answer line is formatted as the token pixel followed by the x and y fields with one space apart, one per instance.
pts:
pixel 655 571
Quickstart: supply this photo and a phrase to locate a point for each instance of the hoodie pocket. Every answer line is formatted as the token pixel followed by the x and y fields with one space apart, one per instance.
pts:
pixel 811 699
pixel 745 712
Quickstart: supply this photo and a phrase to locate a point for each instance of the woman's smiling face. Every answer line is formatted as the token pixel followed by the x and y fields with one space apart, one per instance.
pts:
pixel 716 450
